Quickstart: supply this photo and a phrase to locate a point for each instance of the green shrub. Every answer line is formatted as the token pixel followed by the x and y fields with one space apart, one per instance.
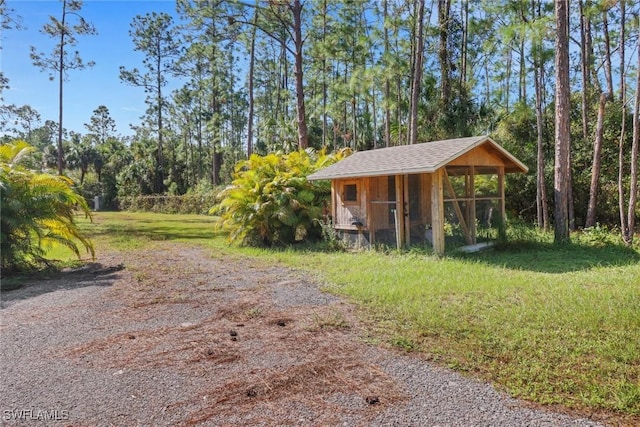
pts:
pixel 598 236
pixel 186 204
pixel 37 208
pixel 198 200
pixel 271 202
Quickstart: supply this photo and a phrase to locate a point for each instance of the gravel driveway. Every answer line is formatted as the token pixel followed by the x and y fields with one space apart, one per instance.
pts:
pixel 175 337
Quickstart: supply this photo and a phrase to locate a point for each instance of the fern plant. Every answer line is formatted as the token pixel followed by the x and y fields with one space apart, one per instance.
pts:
pixel 270 201
pixel 36 209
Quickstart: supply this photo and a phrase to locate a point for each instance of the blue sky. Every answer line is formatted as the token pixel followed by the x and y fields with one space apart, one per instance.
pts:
pixel 85 89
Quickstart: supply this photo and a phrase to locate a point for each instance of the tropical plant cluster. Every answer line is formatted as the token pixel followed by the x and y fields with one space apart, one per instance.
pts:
pixel 37 209
pixel 271 202
pixel 286 75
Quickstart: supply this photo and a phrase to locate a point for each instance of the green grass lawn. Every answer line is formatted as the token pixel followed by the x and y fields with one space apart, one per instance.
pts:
pixel 548 324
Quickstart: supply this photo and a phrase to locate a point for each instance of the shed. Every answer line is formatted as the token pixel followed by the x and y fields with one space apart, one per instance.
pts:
pixel 410 194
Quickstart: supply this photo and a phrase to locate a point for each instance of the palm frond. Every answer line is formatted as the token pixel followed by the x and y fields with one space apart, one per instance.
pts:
pixel 271 201
pixel 36 208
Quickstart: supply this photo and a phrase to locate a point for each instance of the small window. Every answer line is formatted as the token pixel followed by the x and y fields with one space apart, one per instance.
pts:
pixel 350 193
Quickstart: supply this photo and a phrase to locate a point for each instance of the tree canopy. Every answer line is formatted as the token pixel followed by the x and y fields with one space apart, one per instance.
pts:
pixel 262 77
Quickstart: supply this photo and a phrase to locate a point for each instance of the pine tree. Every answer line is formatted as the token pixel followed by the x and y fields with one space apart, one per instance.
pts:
pixel 60 61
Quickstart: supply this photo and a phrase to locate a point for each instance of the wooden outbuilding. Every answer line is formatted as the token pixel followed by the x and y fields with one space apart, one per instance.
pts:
pixel 410 194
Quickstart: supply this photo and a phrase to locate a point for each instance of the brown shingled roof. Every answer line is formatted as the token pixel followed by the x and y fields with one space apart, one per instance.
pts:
pixel 407 159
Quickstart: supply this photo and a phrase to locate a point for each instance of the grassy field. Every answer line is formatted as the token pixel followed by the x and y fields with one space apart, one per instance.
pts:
pixel 552 325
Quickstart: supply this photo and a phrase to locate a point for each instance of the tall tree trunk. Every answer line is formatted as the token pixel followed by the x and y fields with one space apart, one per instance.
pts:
pixel 324 77
pixel 541 188
pixel 607 48
pixel 562 122
pixel 465 41
pixel 354 122
pixel 541 192
pixel 187 159
pixel 159 185
pixel 623 83
pixel 444 11
pixel 354 95
pixel 373 113
pixel 215 104
pixel 633 188
pixel 199 136
pixel 399 110
pixel 584 67
pixel 284 82
pixel 398 105
pixel 624 228
pixel 375 118
pixel 173 171
pixel 387 84
pixel 594 80
pixel 303 136
pixel 215 109
pixel 595 167
pixel 60 89
pixel 412 65
pixel 571 212
pixel 522 80
pixel 627 233
pixel 252 60
pixel 507 80
pixel 487 83
pixel 417 75
pixel 347 137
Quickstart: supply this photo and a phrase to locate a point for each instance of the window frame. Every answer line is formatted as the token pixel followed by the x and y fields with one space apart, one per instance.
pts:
pixel 355 185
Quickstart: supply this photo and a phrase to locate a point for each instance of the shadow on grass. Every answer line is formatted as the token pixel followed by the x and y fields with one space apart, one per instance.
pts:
pixel 21 287
pixel 552 258
pixel 521 255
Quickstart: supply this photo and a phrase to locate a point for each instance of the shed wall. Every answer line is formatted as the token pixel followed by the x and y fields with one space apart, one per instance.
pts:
pixel 347 213
pixel 410 209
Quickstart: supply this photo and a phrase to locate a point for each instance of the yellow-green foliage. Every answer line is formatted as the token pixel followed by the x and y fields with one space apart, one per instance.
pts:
pixel 37 208
pixel 271 201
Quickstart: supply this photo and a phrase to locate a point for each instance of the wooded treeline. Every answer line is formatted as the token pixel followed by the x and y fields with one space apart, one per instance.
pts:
pixel 266 76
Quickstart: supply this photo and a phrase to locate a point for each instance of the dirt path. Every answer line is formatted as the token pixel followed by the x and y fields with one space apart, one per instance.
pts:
pixel 174 337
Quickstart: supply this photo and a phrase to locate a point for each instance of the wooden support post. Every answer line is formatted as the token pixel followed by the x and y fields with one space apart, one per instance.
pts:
pixel 407 218
pixel 334 203
pixel 472 204
pixel 467 195
pixel 503 211
pixel 400 233
pixel 437 212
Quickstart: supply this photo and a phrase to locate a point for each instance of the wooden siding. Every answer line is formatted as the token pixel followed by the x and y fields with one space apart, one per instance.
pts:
pixel 479 156
pixel 349 212
pixel 418 201
pixel 437 211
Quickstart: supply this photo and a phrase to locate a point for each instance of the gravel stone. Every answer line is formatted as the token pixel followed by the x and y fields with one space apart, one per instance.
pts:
pixel 145 341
